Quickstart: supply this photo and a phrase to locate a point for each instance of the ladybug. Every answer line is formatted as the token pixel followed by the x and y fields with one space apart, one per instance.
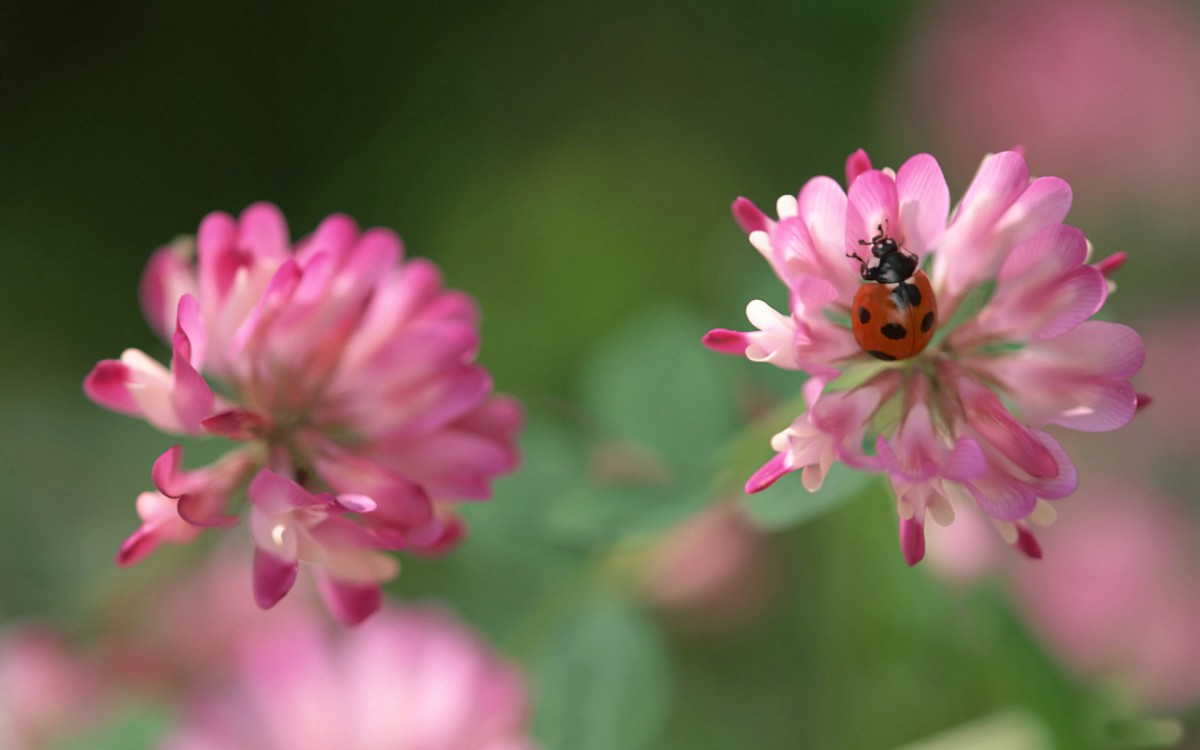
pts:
pixel 895 313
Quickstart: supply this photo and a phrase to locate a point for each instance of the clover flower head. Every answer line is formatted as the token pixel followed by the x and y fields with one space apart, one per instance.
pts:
pixel 347 376
pixel 1012 346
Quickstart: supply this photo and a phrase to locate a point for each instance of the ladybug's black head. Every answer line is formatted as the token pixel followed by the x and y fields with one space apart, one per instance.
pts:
pixel 881 246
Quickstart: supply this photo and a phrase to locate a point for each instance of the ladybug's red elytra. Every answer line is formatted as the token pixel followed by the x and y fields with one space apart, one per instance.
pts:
pixel 895 313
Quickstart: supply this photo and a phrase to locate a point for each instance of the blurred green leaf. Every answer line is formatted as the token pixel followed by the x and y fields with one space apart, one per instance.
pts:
pixel 786 503
pixel 590 515
pixel 1134 734
pixel 133 728
pixel 656 385
pixel 604 681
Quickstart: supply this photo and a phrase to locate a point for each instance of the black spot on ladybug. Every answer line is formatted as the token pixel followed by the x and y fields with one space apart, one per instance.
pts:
pixel 927 322
pixel 894 331
pixel 881 355
pixel 899 299
pixel 864 315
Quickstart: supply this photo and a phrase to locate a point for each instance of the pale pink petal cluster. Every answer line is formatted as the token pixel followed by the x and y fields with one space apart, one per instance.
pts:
pixel 406 680
pixel 1015 350
pixel 346 371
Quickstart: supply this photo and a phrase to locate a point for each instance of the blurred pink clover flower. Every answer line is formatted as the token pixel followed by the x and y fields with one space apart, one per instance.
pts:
pixel 349 381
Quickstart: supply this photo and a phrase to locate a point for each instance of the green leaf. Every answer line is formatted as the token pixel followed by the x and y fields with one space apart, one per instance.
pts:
pixel 134 727
pixel 604 681
pixel 656 385
pixel 590 515
pixel 786 503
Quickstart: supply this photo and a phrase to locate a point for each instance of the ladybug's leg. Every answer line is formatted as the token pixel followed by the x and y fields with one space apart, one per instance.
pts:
pixel 862 264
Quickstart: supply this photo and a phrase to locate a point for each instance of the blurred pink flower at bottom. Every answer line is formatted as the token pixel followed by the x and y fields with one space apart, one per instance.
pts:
pixel 1121 593
pixel 1117 594
pixel 713 571
pixel 405 680
pixel 47 693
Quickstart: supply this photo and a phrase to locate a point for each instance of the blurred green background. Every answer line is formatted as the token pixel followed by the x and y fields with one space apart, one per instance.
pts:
pixel 571 165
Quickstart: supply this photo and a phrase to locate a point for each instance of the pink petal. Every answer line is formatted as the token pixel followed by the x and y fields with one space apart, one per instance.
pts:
pixel 966 461
pixel 398 500
pixel 912 540
pixel 924 200
pixel 356 503
pixel 168 276
pixel 137 546
pixel 350 603
pixel 451 533
pixel 335 235
pixel 749 217
pixel 106 386
pixel 263 231
pixel 167 472
pixel 378 251
pixel 999 182
pixel 989 417
pixel 1112 264
pixel 1001 496
pixel 189 321
pixel 857 163
pixel 1066 481
pixel 822 208
pixel 1044 203
pixel 767 475
pixel 237 424
pixel 726 341
pixel 274 494
pixel 197 509
pixel 191 397
pixel 217 256
pixel 873 202
pixel 273 578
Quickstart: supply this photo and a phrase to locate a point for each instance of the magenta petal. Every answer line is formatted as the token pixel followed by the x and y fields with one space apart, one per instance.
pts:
pixel 750 217
pixel 726 342
pixel 350 603
pixel 196 510
pixel 167 472
pixel 1112 264
pixel 912 540
pixel 105 385
pixel 137 546
pixel 1028 543
pixel 273 578
pixel 191 397
pixel 768 474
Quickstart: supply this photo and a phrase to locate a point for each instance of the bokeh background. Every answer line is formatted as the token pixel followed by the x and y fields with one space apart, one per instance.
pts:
pixel 571 165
